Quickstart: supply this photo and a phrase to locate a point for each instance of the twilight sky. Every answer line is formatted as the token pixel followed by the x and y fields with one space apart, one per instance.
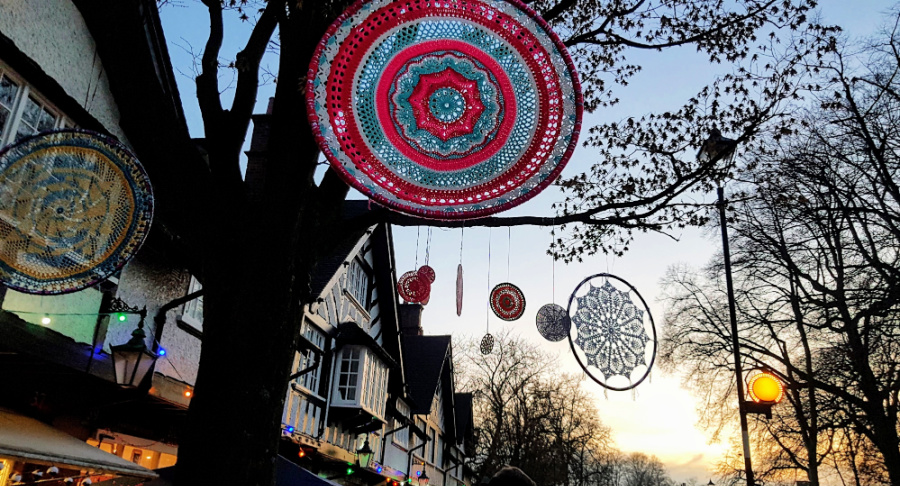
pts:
pixel 660 418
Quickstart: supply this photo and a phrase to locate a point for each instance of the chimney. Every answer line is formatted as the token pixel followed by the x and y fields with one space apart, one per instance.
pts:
pixel 411 319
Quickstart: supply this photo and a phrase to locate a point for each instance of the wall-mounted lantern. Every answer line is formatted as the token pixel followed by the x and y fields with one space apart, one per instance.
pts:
pixel 364 455
pixel 132 360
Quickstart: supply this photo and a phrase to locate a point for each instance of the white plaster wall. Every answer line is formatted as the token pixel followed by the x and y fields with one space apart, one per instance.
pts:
pixel 151 280
pixel 53 34
pixel 395 457
pixel 74 315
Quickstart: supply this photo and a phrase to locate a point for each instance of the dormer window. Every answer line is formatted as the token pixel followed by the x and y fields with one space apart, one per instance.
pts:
pixel 361 380
pixel 348 380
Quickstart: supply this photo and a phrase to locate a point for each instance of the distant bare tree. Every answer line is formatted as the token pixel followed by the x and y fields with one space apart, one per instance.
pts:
pixel 642 469
pixel 530 416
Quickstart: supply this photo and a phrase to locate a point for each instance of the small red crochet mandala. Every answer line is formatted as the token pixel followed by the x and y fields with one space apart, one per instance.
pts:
pixel 414 288
pixel 507 301
pixel 446 109
pixel 426 272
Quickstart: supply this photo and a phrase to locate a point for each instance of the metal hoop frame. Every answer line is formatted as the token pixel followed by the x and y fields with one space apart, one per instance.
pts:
pixel 652 326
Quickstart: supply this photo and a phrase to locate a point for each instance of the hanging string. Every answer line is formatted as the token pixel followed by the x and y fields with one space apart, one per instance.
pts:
pixel 487 310
pixel 462 235
pixel 508 250
pixel 418 229
pixel 428 247
pixel 553 265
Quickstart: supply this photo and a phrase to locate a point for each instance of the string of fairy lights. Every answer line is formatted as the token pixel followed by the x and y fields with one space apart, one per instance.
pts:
pixel 120 316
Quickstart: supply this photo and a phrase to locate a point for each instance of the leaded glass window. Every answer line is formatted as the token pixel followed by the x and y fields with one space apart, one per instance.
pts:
pixel 358 283
pixel 23 111
pixel 348 379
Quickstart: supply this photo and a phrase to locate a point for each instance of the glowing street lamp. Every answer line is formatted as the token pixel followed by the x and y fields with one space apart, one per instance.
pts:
pixel 133 359
pixel 765 390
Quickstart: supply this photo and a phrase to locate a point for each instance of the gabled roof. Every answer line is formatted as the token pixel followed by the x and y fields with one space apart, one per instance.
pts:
pixel 132 47
pixel 350 333
pixel 424 358
pixel 329 266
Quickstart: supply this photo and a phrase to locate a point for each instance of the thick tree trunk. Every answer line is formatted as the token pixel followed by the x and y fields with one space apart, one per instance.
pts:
pixel 882 425
pixel 248 344
pixel 811 426
pixel 261 244
pixel 885 439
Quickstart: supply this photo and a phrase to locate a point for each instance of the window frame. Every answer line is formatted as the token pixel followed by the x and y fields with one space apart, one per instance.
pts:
pixel 370 381
pixel 359 283
pixel 312 381
pixel 400 437
pixel 10 128
pixel 348 378
pixel 189 311
pixel 430 449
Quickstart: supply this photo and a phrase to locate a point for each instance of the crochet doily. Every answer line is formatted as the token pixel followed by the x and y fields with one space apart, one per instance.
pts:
pixel 445 109
pixel 414 288
pixel 612 324
pixel 427 272
pixel 553 322
pixel 75 207
pixel 487 344
pixel 507 301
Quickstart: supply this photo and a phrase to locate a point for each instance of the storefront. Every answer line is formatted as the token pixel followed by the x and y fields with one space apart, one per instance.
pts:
pixel 32 452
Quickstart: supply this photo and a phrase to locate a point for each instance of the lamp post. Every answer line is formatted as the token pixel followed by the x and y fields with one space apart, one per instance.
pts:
pixel 735 343
pixel 716 148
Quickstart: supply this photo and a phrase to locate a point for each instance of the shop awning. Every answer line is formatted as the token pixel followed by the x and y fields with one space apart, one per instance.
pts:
pixel 29 440
pixel 286 473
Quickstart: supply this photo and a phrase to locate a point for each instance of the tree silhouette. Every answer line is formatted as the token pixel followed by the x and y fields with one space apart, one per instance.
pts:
pixel 529 416
pixel 816 247
pixel 255 243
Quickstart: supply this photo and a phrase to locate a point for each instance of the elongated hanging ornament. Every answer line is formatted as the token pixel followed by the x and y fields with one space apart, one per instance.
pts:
pixel 459 275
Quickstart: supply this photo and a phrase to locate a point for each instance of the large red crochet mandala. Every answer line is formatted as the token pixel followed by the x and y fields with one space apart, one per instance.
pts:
pixel 446 109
